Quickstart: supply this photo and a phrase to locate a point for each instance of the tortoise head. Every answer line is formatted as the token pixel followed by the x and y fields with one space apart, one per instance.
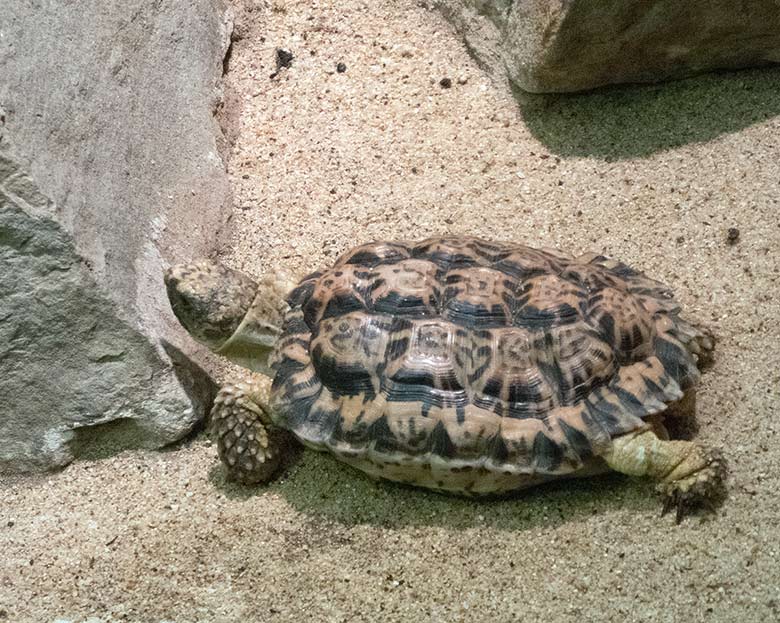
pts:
pixel 228 311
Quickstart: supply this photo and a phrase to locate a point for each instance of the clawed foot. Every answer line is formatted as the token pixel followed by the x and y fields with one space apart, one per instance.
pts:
pixel 705 349
pixel 250 451
pixel 702 487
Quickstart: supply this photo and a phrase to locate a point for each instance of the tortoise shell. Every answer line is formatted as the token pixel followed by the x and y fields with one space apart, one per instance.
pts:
pixel 476 366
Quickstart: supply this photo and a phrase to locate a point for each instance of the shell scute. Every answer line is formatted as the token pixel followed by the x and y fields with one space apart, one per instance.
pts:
pixel 477 297
pixel 373 254
pixel 622 322
pixel 409 287
pixel 547 300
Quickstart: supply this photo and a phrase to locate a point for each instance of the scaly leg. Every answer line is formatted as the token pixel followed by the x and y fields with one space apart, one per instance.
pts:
pixel 248 443
pixel 688 472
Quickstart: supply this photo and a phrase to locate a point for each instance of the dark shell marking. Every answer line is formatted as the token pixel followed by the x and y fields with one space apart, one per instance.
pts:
pixel 467 365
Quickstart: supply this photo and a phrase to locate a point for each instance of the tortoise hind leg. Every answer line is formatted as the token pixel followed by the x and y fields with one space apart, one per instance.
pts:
pixel 689 473
pixel 248 444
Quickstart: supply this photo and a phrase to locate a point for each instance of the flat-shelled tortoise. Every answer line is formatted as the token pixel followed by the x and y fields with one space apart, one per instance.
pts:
pixel 455 364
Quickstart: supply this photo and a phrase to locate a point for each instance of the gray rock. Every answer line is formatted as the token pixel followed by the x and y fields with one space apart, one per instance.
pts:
pixel 574 45
pixel 67 361
pixel 109 169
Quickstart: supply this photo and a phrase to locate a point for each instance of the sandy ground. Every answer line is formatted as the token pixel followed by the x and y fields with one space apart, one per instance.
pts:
pixel 654 175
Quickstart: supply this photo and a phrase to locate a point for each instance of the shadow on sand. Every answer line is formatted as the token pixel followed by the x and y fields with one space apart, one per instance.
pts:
pixel 320 487
pixel 630 121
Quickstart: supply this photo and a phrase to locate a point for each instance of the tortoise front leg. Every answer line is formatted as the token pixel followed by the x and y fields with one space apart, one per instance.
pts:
pixel 688 472
pixel 248 443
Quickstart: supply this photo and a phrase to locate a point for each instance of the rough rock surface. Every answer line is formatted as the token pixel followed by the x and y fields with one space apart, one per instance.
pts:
pixel 67 360
pixel 110 169
pixel 573 45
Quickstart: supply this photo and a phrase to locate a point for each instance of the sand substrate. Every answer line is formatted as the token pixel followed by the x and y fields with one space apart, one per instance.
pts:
pixel 321 160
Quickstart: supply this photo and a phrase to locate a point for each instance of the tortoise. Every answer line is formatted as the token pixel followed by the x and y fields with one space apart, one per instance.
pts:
pixel 454 363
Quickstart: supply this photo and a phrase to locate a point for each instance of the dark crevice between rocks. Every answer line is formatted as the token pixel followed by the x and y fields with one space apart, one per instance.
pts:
pixel 110 358
pixel 227 109
pixel 484 50
pixel 496 12
pixel 102 441
pixel 229 53
pixel 199 386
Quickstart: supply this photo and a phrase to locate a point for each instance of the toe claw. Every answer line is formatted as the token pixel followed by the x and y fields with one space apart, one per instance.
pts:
pixel 668 505
pixel 702 488
pixel 680 511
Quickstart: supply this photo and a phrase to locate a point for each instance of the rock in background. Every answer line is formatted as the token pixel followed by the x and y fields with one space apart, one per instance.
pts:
pixel 573 45
pixel 109 169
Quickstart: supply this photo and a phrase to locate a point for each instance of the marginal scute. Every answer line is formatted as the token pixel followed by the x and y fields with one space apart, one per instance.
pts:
pixel 459 363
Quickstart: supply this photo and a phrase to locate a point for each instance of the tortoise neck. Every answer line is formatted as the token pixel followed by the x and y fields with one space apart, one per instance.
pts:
pixel 254 339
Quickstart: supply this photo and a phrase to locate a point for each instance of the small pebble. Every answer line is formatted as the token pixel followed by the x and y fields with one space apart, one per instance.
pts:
pixel 445 83
pixel 749 489
pixel 732 237
pixel 284 58
pixel 341 68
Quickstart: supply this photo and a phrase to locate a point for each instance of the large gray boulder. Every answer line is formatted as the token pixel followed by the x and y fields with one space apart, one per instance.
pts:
pixel 69 363
pixel 109 169
pixel 572 45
